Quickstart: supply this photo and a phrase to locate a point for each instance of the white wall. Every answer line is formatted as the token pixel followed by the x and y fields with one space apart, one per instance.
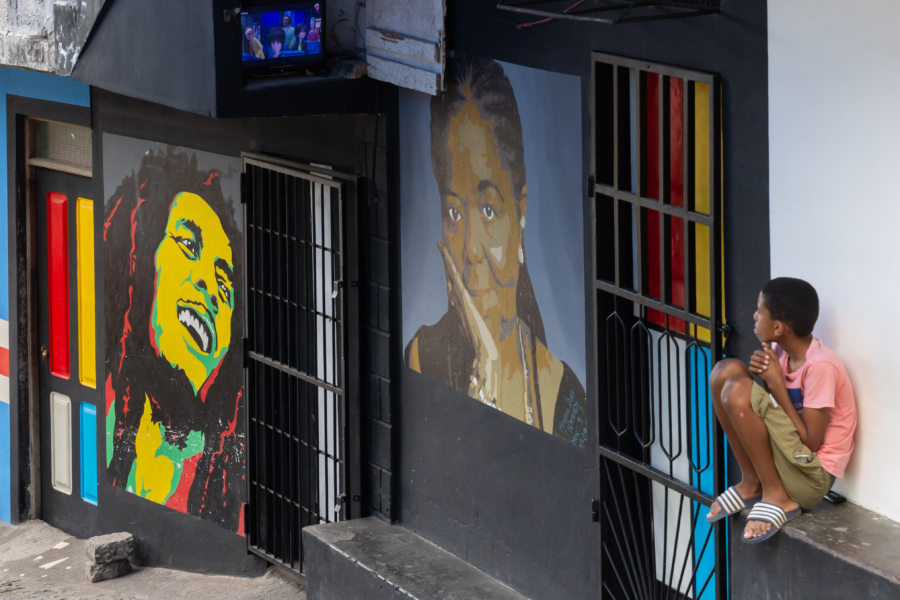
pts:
pixel 834 176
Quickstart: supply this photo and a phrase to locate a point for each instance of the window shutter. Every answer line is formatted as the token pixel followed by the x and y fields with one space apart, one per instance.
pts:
pixel 405 43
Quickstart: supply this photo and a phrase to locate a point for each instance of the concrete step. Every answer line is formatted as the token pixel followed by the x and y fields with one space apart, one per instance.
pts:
pixel 368 558
pixel 842 551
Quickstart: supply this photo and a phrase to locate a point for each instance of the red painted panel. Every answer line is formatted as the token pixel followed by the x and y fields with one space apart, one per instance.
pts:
pixel 4 362
pixel 58 282
pixel 676 195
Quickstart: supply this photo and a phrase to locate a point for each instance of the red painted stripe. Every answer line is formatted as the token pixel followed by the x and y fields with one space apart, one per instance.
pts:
pixel 651 190
pixel 4 362
pixel 676 196
pixel 58 281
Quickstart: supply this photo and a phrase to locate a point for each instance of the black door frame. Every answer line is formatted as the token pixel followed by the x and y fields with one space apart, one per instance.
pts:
pixel 24 413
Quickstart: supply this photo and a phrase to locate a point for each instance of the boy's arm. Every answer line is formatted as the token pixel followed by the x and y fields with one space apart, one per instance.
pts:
pixel 811 424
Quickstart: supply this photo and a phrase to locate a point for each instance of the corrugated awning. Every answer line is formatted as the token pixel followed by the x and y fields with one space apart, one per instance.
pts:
pixel 611 12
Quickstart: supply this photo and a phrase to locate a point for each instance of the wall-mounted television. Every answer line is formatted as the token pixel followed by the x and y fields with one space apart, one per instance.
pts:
pixel 277 38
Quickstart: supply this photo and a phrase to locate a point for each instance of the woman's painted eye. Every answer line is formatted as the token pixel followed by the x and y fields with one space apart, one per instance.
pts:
pixel 454 214
pixel 488 211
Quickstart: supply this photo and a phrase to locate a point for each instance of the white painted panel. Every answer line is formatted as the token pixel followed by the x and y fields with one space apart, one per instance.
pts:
pixel 61 442
pixel 834 205
pixel 671 516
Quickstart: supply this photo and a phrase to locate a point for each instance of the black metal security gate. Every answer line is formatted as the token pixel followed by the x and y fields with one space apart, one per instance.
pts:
pixel 298 366
pixel 658 308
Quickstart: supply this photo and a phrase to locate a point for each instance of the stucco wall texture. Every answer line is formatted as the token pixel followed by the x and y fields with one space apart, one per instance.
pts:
pixel 45 35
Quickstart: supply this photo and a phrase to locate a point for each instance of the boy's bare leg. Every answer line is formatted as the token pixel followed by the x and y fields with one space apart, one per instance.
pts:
pixel 724 370
pixel 750 430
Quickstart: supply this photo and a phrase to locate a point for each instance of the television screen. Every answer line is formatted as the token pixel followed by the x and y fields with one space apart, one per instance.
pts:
pixel 279 36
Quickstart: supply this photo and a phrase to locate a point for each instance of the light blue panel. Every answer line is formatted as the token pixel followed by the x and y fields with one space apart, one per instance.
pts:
pixel 41 86
pixel 702 418
pixel 87 439
pixel 4 463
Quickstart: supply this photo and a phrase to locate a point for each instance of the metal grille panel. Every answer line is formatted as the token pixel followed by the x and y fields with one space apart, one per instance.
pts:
pixel 657 301
pixel 295 361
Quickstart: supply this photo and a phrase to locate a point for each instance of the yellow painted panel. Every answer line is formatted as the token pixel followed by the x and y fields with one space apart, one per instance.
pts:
pixel 87 343
pixel 701 147
pixel 702 291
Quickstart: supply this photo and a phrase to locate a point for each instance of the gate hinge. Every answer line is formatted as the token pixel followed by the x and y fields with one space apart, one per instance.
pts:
pixel 590 186
pixel 595 510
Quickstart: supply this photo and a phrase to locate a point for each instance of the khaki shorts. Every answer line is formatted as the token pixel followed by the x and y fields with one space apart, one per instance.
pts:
pixel 799 468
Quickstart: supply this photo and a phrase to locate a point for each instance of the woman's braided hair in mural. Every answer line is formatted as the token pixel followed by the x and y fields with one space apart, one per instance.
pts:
pixel 135 224
pixel 483 82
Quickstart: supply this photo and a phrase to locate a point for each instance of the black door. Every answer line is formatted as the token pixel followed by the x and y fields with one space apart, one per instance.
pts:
pixel 67 363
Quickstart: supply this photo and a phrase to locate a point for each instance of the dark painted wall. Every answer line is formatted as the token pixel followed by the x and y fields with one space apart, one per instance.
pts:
pixel 513 501
pixel 178 36
pixel 348 143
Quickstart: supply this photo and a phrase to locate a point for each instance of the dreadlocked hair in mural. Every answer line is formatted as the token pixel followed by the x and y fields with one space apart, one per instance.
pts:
pixel 169 359
pixel 483 82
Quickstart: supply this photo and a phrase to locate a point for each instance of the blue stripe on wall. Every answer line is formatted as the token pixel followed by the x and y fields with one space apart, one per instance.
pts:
pixel 41 86
pixel 88 456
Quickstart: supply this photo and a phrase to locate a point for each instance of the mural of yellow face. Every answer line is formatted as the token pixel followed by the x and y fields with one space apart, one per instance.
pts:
pixel 193 296
pixel 483 219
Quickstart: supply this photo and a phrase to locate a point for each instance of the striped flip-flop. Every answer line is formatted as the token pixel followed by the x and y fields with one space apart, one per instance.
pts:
pixel 730 503
pixel 769 513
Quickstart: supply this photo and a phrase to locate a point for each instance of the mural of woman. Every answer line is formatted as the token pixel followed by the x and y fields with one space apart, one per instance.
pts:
pixel 490 343
pixel 174 386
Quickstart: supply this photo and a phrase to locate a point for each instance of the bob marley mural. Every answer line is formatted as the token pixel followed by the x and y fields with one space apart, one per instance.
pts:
pixel 492 341
pixel 172 263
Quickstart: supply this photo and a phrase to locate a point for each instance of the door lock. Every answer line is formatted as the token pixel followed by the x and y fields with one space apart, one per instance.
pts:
pixel 43 352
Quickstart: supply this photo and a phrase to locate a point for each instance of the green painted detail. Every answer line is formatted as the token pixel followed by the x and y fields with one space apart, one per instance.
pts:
pixel 110 426
pixel 194 446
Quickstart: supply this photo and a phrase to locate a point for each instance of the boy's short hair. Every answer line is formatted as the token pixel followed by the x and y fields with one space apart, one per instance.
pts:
pixel 276 35
pixel 792 301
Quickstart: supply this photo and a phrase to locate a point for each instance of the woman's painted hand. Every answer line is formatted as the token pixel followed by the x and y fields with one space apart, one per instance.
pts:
pixel 484 381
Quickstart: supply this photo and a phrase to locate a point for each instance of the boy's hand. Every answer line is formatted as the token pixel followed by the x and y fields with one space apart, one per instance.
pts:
pixel 765 364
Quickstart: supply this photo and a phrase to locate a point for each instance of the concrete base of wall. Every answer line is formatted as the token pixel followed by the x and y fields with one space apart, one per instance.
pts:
pixel 367 558
pixel 839 551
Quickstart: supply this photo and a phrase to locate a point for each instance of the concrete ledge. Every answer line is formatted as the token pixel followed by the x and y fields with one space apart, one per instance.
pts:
pixel 367 558
pixel 842 551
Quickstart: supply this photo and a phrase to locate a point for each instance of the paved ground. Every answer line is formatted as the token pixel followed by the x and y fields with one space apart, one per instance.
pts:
pixel 42 563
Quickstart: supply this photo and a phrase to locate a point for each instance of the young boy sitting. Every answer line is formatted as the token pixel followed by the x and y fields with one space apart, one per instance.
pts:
pixel 792 439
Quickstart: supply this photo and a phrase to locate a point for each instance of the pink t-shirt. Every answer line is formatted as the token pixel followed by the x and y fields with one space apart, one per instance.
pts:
pixel 822 383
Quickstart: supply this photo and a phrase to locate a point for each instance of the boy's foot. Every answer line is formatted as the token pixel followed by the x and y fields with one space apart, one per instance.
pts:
pixel 755 529
pixel 747 492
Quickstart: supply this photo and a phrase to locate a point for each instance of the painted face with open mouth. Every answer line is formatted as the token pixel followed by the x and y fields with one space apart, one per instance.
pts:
pixel 194 293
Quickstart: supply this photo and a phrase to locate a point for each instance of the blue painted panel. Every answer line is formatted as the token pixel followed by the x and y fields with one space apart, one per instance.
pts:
pixel 702 418
pixel 5 497
pixel 88 441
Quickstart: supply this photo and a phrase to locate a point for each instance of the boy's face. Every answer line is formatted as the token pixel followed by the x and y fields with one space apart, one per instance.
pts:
pixel 765 327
